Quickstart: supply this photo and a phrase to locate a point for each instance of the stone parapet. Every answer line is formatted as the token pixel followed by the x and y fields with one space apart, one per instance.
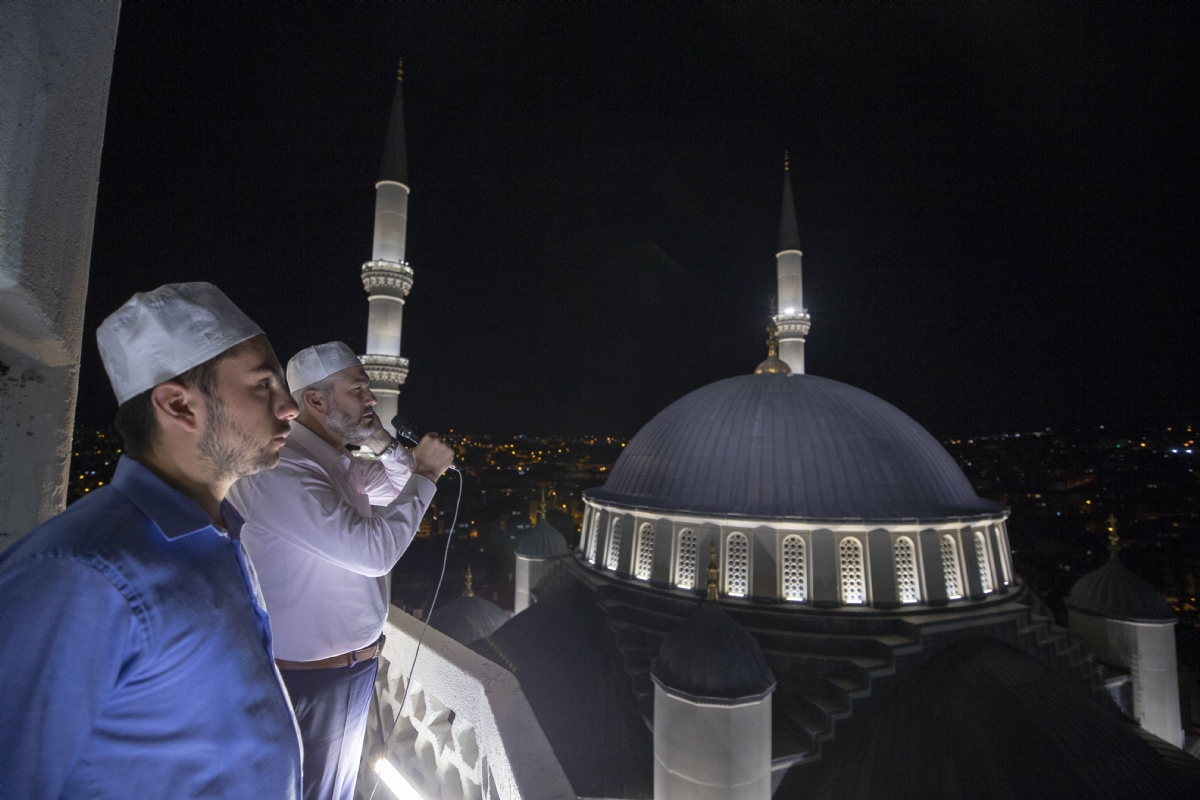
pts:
pixel 464 730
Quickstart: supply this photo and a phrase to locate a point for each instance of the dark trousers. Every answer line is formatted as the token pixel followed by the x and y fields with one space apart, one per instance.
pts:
pixel 331 708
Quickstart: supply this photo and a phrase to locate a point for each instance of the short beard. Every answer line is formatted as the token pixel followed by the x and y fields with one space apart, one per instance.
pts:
pixel 346 425
pixel 227 450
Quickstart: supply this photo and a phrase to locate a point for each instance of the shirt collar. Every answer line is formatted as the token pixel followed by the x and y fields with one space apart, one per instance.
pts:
pixel 172 511
pixel 321 451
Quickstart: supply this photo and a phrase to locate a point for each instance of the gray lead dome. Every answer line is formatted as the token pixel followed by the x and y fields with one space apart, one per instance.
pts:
pixel 1115 592
pixel 710 656
pixel 790 446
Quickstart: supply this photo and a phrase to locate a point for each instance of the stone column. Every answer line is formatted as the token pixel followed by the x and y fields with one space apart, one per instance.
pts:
pixel 55 63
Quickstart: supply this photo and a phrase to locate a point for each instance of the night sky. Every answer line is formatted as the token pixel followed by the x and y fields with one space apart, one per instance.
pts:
pixel 997 203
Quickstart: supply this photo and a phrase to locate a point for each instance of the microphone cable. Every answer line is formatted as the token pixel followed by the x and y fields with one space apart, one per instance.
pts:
pixel 408 683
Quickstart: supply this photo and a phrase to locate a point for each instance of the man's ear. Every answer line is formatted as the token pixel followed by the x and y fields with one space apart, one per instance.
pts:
pixel 177 407
pixel 312 399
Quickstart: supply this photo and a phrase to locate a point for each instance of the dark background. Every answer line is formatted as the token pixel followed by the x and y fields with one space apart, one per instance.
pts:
pixel 997 203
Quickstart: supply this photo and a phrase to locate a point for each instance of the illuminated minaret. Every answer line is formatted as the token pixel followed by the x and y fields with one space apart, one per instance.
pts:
pixel 792 322
pixel 387 277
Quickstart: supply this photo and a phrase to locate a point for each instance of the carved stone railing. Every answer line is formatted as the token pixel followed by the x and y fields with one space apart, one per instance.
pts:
pixel 465 732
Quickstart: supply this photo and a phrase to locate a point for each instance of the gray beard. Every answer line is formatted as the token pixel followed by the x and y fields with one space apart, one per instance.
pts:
pixel 346 425
pixel 227 451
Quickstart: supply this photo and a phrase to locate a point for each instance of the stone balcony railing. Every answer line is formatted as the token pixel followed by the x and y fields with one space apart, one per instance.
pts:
pixel 465 731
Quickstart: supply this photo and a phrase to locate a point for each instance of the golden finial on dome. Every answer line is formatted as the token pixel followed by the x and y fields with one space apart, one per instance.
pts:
pixel 469 591
pixel 400 72
pixel 542 504
pixel 1114 541
pixel 785 160
pixel 712 571
pixel 773 365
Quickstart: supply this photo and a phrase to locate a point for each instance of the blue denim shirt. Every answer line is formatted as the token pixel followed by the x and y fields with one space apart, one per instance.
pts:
pixel 135 661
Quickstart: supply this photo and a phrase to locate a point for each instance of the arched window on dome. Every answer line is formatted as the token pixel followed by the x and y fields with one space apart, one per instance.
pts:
pixel 645 553
pixel 850 569
pixel 950 567
pixel 594 540
pixel 685 560
pixel 794 572
pixel 905 555
pixel 984 562
pixel 612 558
pixel 737 565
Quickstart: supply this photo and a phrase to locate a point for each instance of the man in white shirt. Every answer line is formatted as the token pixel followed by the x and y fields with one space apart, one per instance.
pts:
pixel 323 557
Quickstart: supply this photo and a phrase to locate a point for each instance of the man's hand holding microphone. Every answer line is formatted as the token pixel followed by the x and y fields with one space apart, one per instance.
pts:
pixel 432 456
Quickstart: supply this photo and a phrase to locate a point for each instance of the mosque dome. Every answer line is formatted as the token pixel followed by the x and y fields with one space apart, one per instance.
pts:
pixel 1113 591
pixel 710 656
pixel 468 618
pixel 542 541
pixel 790 446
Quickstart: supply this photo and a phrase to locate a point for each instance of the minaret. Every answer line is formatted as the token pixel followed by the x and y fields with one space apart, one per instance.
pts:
pixel 792 322
pixel 387 277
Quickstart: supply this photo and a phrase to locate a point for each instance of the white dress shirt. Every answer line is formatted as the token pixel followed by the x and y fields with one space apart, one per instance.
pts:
pixel 322 555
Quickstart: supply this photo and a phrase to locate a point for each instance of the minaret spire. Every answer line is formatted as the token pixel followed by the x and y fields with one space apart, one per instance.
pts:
pixel 394 166
pixel 387 277
pixel 791 320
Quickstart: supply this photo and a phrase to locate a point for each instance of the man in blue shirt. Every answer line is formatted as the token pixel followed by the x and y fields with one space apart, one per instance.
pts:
pixel 135 652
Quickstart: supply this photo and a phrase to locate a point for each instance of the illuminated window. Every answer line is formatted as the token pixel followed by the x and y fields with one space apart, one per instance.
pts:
pixel 645 553
pixel 614 545
pixel 950 567
pixel 1002 549
pixel 737 565
pixel 906 570
pixel 594 542
pixel 850 563
pixel 985 563
pixel 685 560
pixel 793 572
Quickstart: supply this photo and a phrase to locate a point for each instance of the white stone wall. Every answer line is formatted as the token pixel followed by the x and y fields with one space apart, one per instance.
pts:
pixel 391 222
pixel 791 291
pixel 521 579
pixel 465 730
pixel 385 320
pixel 1147 650
pixel 711 752
pixel 55 64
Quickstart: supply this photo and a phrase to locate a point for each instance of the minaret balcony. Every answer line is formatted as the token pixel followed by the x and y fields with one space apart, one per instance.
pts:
pixel 795 324
pixel 391 370
pixel 387 277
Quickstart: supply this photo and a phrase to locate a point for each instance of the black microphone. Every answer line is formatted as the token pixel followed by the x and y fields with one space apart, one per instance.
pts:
pixel 407 431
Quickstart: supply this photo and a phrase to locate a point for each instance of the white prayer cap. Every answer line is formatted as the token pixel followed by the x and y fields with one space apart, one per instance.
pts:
pixel 158 335
pixel 317 363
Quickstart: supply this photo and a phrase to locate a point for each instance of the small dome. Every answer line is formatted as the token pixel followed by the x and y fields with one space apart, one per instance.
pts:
pixel 467 618
pixel 984 719
pixel 1114 592
pixel 542 541
pixel 711 656
pixel 793 447
pixel 773 365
